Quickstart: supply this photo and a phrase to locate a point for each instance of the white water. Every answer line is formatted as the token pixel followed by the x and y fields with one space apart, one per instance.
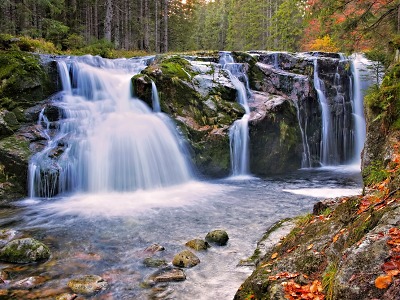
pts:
pixel 239 132
pixel 154 97
pixel 326 138
pixel 360 82
pixel 110 141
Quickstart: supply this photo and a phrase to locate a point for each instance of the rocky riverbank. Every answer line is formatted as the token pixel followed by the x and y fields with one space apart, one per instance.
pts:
pixel 349 247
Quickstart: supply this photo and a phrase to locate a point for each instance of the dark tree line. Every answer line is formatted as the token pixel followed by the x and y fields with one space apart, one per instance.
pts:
pixel 181 25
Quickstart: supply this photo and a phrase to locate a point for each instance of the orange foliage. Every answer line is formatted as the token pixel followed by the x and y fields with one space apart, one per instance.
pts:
pixel 325 44
pixel 392 266
pixel 295 291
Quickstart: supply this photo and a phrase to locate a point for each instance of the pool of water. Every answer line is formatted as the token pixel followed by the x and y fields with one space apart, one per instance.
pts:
pixel 106 234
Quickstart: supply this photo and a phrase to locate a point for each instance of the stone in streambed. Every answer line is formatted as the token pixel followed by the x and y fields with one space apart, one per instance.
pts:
pixel 167 274
pixel 198 244
pixel 185 259
pixel 87 284
pixel 29 283
pixel 217 237
pixel 25 250
pixel 154 262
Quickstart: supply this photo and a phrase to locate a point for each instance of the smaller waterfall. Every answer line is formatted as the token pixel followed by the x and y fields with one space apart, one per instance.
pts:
pixel 239 132
pixel 360 83
pixel 154 97
pixel 326 139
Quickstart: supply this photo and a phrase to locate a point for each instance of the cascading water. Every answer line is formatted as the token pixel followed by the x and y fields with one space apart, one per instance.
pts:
pixel 106 141
pixel 154 97
pixel 239 132
pixel 326 139
pixel 337 134
pixel 360 83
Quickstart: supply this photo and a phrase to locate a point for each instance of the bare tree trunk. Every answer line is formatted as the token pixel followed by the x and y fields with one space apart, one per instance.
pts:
pixel 165 25
pixel 96 20
pixel 108 20
pixel 146 26
pixel 117 41
pixel 157 49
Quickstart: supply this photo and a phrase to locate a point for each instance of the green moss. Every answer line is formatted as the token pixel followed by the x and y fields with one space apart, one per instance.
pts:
pixel 374 173
pixel 23 81
pixel 16 145
pixel 178 67
pixel 384 101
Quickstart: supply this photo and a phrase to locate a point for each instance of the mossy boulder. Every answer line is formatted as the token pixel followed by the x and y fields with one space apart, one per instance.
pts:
pixel 24 250
pixel 24 80
pixel 202 100
pixel 185 259
pixel 87 284
pixel 217 237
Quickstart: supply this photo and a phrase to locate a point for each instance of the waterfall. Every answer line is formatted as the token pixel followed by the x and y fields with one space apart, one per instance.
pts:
pixel 326 138
pixel 360 82
pixel 107 141
pixel 154 97
pixel 239 132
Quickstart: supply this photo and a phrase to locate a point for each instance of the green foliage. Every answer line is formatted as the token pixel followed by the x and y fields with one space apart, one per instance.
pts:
pixel 101 47
pixel 384 101
pixel 328 280
pixel 54 31
pixel 304 220
pixel 288 23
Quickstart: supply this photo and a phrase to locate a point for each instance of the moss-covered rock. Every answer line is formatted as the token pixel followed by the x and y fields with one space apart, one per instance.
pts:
pixel 24 250
pixel 201 98
pixel 185 259
pixel 217 237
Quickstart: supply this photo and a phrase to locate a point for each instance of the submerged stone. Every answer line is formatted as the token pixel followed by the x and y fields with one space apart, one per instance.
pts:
pixel 185 259
pixel 29 283
pixel 217 237
pixel 87 284
pixel 154 262
pixel 25 250
pixel 168 274
pixel 198 244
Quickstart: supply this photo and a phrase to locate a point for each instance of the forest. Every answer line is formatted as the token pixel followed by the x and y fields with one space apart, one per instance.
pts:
pixel 160 26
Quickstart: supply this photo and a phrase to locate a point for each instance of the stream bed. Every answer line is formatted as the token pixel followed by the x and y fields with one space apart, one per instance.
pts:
pixel 106 234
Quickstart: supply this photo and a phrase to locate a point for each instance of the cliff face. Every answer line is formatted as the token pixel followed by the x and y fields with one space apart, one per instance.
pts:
pixel 284 120
pixel 348 248
pixel 26 80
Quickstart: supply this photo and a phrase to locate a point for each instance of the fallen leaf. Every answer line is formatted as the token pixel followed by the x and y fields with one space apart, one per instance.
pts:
pixel 275 255
pixel 383 281
pixel 336 237
pixel 310 247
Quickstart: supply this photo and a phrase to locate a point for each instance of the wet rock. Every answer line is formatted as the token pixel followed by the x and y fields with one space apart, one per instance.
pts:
pixel 168 274
pixel 87 284
pixel 24 250
pixel 162 292
pixel 153 249
pixel 217 237
pixel 198 244
pixel 66 296
pixel 185 259
pixel 29 283
pixel 6 235
pixel 154 262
